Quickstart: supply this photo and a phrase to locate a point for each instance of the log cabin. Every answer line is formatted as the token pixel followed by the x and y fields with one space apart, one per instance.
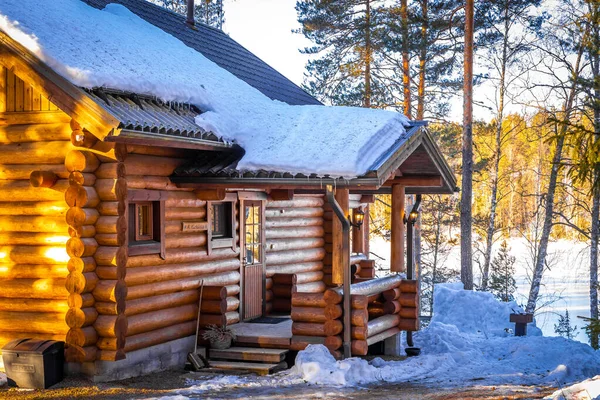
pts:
pixel 116 206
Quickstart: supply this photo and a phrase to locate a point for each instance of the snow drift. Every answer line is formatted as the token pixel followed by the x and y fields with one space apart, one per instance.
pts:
pixel 114 48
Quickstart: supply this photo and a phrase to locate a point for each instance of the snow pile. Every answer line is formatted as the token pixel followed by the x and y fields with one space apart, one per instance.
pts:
pixel 3 379
pixel 586 390
pixel 114 48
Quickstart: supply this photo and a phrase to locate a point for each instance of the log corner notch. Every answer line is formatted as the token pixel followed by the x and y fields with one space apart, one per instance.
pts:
pixel 44 179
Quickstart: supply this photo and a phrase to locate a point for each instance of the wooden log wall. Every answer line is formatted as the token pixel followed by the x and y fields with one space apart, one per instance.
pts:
pixel 161 300
pixel 33 231
pixel 380 308
pixel 294 245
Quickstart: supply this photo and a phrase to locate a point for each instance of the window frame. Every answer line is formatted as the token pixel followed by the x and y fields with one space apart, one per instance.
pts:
pixel 154 243
pixel 221 242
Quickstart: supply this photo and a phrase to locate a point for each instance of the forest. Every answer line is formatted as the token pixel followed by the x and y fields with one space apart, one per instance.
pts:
pixel 525 149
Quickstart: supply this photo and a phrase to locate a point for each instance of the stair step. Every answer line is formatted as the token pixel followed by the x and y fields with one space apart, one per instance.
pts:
pixel 258 368
pixel 249 354
pixel 262 342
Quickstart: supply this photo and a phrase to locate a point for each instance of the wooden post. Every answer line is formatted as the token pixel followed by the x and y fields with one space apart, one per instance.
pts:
pixel 340 255
pixel 397 256
pixel 366 229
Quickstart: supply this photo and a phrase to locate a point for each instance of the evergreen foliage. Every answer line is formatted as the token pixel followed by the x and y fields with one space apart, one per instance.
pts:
pixel 209 12
pixel 564 327
pixel 502 282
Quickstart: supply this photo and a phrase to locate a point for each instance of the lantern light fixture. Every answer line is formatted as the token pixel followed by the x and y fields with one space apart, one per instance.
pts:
pixel 358 217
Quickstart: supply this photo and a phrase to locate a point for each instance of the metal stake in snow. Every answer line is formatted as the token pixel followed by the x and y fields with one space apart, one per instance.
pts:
pixel 346 284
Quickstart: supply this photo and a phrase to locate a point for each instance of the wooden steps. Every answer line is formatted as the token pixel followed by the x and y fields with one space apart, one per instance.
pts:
pixel 249 354
pixel 263 342
pixel 257 368
pixel 258 360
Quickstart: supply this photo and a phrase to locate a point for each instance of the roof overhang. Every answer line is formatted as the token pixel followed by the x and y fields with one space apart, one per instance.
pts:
pixel 387 170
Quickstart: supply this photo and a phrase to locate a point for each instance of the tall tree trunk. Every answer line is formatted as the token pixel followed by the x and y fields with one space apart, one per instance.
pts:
pixel 491 228
pixel 405 58
pixel 595 234
pixel 542 250
pixel 466 217
pixel 422 61
pixel 368 55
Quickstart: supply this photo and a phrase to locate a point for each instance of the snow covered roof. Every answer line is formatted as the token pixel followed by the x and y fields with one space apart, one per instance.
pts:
pixel 221 49
pixel 114 48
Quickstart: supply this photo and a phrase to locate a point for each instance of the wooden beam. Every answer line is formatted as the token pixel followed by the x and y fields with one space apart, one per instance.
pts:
pixel 211 194
pixel 161 140
pixel 426 181
pixel 68 97
pixel 282 194
pixel 398 228
pixel 367 198
pixel 341 255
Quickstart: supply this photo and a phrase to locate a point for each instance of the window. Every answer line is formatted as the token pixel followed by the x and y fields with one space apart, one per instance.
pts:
pixel 253 236
pixel 146 224
pixel 222 219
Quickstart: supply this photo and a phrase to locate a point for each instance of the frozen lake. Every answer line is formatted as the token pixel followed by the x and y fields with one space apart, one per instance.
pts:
pixel 565 285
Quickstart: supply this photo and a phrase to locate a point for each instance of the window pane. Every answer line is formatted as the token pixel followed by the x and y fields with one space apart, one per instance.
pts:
pixel 248 215
pixel 256 234
pixel 256 252
pixel 249 255
pixel 144 221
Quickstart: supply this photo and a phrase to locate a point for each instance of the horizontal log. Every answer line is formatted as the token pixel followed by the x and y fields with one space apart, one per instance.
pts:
pixel 409 286
pixel 408 324
pixel 81 196
pixel 161 318
pixel 233 304
pixel 391 307
pixel 24 208
pixel 269 283
pixel 81 247
pixel 381 324
pixel 180 256
pixel 109 208
pixel 47 288
pixel 161 302
pixel 316 314
pixel 293 222
pixel 111 189
pixel 111 325
pixel 23 191
pixel 295 232
pixel 295 212
pixel 308 300
pixel 391 294
pixel 182 240
pixel 22 254
pixel 82 337
pixel 408 299
pixel 158 336
pixel 281 304
pixel 226 319
pixel 45 179
pixel 274 245
pixel 185 213
pixel 40 322
pixel 359 332
pixel 112 344
pixel 31 271
pixel 382 336
pixel 81 179
pixel 375 310
pixel 283 291
pixel 81 265
pixel 76 300
pixel 110 308
pixel 311 287
pixel 214 293
pixel 145 275
pixel 371 287
pixel 109 239
pixel 111 355
pixel 22 133
pixel 110 290
pixel 409 312
pixel 223 279
pixel 111 256
pixel 81 283
pixel 81 317
pixel 83 231
pixel 79 354
pixel 366 273
pixel 81 160
pixel 296 268
pixel 150 182
pixel 359 302
pixel 329 328
pixel 297 202
pixel 214 306
pixel 35 152
pixel 359 347
pixel 110 171
pixel 34 305
pixel 294 256
pixel 359 317
pixel 137 164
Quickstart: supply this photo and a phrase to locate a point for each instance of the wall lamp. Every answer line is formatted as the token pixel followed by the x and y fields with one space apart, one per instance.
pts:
pixel 358 217
pixel 414 213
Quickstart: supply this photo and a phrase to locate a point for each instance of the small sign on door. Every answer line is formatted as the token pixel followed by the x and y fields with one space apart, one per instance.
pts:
pixel 194 226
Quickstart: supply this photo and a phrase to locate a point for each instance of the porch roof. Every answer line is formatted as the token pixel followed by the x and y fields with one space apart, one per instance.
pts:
pixel 414 161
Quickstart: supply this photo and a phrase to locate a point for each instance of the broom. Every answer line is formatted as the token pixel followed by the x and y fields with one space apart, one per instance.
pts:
pixel 197 360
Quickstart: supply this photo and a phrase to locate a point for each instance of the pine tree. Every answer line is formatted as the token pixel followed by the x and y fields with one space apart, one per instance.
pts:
pixel 564 328
pixel 502 282
pixel 209 12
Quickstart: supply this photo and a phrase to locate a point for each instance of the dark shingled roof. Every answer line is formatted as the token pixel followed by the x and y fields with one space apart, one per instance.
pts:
pixel 219 48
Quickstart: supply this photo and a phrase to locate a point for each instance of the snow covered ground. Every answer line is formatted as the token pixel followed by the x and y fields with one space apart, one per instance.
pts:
pixel 469 341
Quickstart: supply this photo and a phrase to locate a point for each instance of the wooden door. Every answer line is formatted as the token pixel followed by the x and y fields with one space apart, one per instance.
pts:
pixel 253 265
